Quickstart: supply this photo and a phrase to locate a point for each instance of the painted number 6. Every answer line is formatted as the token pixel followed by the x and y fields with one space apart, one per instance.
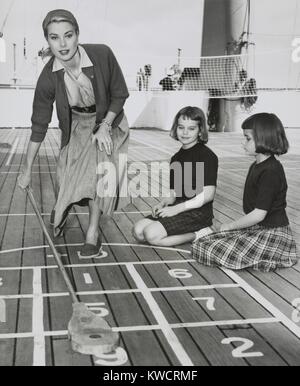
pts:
pixel 180 273
pixel 239 352
pixel 117 358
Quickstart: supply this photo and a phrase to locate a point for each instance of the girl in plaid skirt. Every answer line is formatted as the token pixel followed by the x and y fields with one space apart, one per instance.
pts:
pixel 193 178
pixel 262 239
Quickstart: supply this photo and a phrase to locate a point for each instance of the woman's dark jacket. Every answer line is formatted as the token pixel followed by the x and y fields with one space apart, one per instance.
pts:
pixel 109 87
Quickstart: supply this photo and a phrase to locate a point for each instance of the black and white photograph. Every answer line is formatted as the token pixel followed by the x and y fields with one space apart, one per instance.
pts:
pixel 149 186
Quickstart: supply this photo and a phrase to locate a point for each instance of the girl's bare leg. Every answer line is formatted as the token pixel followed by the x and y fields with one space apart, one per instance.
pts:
pixel 139 227
pixel 156 234
pixel 171 241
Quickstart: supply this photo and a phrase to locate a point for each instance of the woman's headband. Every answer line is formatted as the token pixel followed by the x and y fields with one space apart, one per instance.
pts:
pixel 59 15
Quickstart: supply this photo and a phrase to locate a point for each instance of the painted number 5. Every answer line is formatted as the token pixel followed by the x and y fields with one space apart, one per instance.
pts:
pixel 1 282
pixel 180 273
pixel 240 352
pixel 117 358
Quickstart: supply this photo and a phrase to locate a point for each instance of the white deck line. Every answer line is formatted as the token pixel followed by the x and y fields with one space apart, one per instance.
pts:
pixel 70 214
pixel 35 165
pixel 61 255
pixel 194 287
pixel 264 302
pixel 124 291
pixel 39 349
pixel 169 334
pixel 31 172
pixel 12 151
pixel 154 327
pixel 154 262
pixel 80 244
pixel 217 323
pixel 87 278
pixel 14 297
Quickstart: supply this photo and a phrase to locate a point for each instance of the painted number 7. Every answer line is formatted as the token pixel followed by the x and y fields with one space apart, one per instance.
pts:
pixel 210 303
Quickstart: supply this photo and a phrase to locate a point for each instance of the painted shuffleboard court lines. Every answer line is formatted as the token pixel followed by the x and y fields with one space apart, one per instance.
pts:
pixel 158 299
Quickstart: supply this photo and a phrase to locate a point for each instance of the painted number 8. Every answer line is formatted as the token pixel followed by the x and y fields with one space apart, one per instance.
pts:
pixel 296 313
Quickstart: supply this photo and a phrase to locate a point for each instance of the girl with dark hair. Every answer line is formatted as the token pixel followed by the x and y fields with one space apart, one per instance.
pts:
pixel 89 89
pixel 193 178
pixel 262 238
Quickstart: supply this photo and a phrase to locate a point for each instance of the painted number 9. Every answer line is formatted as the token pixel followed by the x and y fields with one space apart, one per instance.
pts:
pixel 180 273
pixel 240 352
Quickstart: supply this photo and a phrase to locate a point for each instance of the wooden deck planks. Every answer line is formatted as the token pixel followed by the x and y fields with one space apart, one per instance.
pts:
pixel 63 355
pixel 271 292
pixel 202 344
pixel 207 340
pixel 282 341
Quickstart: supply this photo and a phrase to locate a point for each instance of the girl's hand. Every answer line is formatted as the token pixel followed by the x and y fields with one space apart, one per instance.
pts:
pixel 103 138
pixel 169 211
pixel 156 208
pixel 225 227
pixel 24 180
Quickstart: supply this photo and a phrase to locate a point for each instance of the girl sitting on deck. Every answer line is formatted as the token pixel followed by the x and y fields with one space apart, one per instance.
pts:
pixel 262 239
pixel 189 206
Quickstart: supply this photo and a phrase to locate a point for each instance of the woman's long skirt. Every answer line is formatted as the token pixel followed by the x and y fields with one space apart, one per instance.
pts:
pixel 85 173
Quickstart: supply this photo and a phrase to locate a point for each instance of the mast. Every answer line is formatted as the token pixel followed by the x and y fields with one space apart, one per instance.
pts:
pixel 15 63
pixel 2 40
